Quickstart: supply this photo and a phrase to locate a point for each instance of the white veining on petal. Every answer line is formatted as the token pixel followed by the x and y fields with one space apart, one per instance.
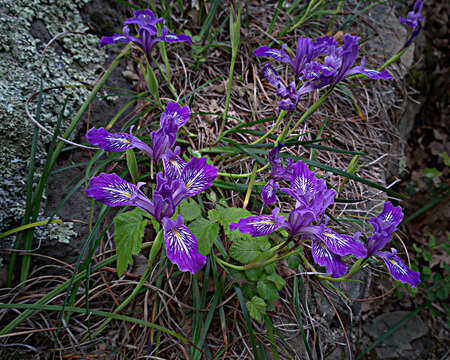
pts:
pixel 389 217
pixel 263 225
pixel 275 53
pixel 118 143
pixel 196 181
pixel 323 252
pixel 303 183
pixel 337 240
pixel 119 192
pixel 397 267
pixel 180 241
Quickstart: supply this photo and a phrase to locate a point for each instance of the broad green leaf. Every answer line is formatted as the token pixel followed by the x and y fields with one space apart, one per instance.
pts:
pixel 431 172
pixel 128 232
pixel 293 261
pixel 256 308
pixel 270 305
pixel 245 250
pixel 267 289
pixel 270 269
pixel 206 232
pixel 444 156
pixel 278 281
pixel 236 275
pixel 225 216
pixel 248 290
pixel 190 210
pixel 254 274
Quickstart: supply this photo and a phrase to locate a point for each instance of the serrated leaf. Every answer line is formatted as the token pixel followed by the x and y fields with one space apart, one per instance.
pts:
pixel 190 210
pixel 225 216
pixel 206 232
pixel 267 289
pixel 278 281
pixel 128 232
pixel 247 250
pixel 256 308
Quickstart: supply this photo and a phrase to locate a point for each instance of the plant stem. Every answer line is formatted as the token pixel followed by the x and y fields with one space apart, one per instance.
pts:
pixel 393 59
pixel 235 176
pixel 310 111
pixel 227 99
pixel 250 185
pixel 274 127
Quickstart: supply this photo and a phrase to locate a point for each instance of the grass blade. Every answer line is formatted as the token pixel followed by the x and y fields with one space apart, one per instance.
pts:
pixel 247 321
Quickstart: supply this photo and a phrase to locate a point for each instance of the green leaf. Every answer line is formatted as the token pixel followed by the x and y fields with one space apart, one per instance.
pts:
pixel 431 172
pixel 267 289
pixel 206 232
pixel 293 261
pixel 256 308
pixel 128 232
pixel 254 274
pixel 427 255
pixel 426 271
pixel 445 247
pixel 270 269
pixel 236 275
pixel 444 156
pixel 432 243
pixel 156 247
pixel 132 165
pixel 190 210
pixel 225 216
pixel 278 281
pixel 245 250
pixel 248 290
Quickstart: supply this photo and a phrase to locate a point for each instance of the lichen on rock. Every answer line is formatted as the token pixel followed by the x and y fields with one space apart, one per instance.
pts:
pixel 25 28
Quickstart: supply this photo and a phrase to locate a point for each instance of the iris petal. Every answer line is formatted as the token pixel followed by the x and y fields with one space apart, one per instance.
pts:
pixel 260 225
pixel 182 246
pixel 324 257
pixel 197 175
pixel 398 268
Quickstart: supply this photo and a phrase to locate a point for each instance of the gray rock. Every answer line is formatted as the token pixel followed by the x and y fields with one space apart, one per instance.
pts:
pixel 407 342
pixel 25 27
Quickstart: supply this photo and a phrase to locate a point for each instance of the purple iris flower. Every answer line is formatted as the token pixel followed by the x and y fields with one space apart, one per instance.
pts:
pixel 171 121
pixel 278 173
pixel 305 221
pixel 336 64
pixel 173 164
pixel 181 244
pixel 383 227
pixel 412 22
pixel 147 30
pixel 162 140
pixel 307 50
pixel 414 17
pixel 116 142
pixel 398 268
